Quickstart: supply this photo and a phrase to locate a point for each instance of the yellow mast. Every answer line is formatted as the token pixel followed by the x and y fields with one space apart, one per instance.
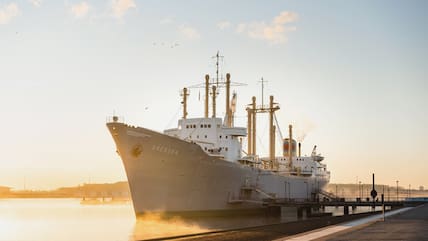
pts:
pixel 185 94
pixel 290 147
pixel 249 129
pixel 228 112
pixel 253 128
pixel 272 109
pixel 214 96
pixel 207 83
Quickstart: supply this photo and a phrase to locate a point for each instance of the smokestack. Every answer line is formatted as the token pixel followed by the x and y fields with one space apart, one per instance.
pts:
pixel 300 149
pixel 228 112
pixel 290 144
pixel 207 83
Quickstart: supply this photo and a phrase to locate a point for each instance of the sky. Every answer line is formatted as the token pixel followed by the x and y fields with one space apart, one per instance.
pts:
pixel 351 76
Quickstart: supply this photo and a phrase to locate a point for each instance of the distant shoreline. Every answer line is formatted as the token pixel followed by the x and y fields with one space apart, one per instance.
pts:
pixel 120 191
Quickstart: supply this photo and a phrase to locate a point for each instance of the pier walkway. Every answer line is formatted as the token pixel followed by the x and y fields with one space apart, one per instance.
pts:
pixel 405 224
pixel 408 226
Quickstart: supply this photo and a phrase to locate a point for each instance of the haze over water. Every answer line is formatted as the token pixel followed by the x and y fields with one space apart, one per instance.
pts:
pixel 68 220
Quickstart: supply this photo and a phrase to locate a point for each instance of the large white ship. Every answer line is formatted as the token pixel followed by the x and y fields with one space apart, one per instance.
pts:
pixel 200 167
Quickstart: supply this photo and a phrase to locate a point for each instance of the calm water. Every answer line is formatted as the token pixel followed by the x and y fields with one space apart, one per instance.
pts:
pixel 68 220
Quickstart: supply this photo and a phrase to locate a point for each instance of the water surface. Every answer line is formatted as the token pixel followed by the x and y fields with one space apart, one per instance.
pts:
pixel 69 220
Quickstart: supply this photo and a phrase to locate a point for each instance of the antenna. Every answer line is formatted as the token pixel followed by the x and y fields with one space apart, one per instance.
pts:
pixel 217 57
pixel 218 83
pixel 263 90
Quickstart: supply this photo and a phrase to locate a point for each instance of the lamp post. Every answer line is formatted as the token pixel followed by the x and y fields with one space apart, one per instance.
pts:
pixel 409 190
pixel 397 189
pixel 388 193
pixel 336 191
pixel 359 189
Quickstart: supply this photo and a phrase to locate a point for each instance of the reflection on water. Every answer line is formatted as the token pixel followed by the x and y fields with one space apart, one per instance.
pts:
pixel 63 219
pixel 68 220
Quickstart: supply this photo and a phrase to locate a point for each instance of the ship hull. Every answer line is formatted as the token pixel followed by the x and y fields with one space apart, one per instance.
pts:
pixel 175 177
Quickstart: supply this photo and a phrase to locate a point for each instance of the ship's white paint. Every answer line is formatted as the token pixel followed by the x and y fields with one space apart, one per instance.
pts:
pixel 181 170
pixel 212 136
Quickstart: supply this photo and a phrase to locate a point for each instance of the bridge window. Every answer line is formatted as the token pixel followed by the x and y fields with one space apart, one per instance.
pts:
pixel 202 126
pixel 220 137
pixel 209 125
pixel 194 126
pixel 205 136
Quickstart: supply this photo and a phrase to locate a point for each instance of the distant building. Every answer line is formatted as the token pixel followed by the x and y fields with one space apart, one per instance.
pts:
pixel 421 188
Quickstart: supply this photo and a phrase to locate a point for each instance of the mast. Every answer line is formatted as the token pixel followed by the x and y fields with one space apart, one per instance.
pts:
pixel 217 57
pixel 228 111
pixel 272 108
pixel 214 104
pixel 254 126
pixel 207 84
pixel 218 83
pixel 249 130
pixel 184 102
pixel 290 147
pixel 252 112
pixel 263 88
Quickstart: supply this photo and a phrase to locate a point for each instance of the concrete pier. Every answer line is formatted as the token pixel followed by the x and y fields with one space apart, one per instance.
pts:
pixel 274 231
pixel 409 226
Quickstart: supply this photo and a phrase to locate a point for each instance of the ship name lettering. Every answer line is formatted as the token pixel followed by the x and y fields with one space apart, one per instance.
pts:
pixel 165 149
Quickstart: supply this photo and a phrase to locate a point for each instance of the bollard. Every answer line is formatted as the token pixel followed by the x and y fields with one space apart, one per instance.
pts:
pixel 345 210
pixel 383 209
pixel 299 213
